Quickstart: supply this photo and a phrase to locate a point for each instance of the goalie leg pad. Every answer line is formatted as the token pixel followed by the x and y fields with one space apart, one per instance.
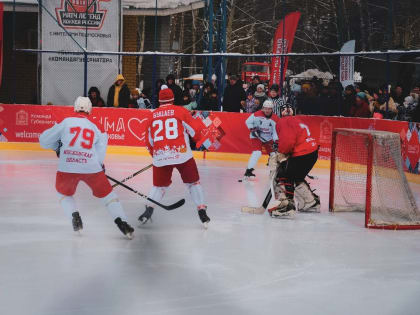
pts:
pixel 307 200
pixel 285 208
pixel 283 204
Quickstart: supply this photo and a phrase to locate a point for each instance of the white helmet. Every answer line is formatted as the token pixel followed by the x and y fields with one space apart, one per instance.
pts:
pixel 83 104
pixel 268 104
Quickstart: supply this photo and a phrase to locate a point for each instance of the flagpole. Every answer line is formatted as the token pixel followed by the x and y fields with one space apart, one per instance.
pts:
pixel 282 49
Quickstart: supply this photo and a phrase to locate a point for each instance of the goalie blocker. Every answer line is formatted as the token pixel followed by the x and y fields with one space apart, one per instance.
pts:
pixel 290 163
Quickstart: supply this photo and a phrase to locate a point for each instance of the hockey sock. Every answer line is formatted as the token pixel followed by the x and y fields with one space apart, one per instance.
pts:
pixel 68 204
pixel 253 160
pixel 113 205
pixel 157 193
pixel 197 195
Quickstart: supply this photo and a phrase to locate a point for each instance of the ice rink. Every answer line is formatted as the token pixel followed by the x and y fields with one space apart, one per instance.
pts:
pixel 243 264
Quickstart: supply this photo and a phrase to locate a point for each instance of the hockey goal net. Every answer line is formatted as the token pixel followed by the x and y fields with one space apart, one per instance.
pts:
pixel 367 175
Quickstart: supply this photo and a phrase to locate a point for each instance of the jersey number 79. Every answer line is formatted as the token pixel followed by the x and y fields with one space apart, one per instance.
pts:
pixel 87 135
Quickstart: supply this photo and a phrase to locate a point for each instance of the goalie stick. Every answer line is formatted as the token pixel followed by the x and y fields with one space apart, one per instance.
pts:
pixel 135 174
pixel 173 206
pixel 261 210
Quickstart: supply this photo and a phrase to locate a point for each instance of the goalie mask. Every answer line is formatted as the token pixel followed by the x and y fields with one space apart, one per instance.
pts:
pixel 83 104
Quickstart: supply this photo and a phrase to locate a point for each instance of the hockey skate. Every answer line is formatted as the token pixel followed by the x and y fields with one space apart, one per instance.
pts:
pixel 203 217
pixel 249 175
pixel 147 215
pixel 124 227
pixel 306 199
pixel 77 221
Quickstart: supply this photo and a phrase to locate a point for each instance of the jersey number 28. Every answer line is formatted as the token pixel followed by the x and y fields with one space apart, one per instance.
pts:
pixel 171 129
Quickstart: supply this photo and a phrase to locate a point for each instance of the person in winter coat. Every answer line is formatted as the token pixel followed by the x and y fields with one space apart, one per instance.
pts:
pixel 95 97
pixel 260 95
pixel 349 99
pixel 234 96
pixel 118 93
pixel 361 108
pixel 251 105
pixel 209 99
pixel 170 82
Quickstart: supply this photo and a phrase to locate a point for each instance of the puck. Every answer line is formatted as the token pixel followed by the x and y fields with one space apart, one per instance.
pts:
pixel 240 180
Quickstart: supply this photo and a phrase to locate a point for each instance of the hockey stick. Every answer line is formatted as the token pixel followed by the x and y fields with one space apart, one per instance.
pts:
pixel 169 207
pixel 135 174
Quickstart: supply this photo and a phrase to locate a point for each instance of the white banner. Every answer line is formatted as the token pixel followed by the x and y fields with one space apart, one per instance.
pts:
pixel 62 75
pixel 347 64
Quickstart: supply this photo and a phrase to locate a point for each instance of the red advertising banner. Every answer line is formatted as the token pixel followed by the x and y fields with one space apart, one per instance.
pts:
pixel 224 132
pixel 283 45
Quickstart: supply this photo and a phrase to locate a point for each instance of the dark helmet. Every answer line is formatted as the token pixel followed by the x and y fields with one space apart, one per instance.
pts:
pixel 170 77
pixel 275 87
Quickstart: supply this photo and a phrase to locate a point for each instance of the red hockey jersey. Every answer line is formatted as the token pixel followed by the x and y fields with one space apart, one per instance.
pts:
pixel 294 137
pixel 167 135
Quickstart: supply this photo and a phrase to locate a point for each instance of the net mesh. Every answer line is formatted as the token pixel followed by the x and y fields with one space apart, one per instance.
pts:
pixel 392 202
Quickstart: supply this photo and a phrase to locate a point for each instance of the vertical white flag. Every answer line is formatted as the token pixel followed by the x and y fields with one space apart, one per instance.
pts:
pixel 347 64
pixel 63 28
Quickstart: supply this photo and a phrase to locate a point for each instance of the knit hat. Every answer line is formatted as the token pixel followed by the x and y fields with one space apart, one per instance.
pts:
pixel 166 96
pixel 260 86
pixel 275 87
pixel 362 95
pixel 119 77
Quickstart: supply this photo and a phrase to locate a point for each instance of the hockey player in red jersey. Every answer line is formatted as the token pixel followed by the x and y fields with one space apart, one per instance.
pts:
pixel 168 143
pixel 262 126
pixel 81 147
pixel 295 155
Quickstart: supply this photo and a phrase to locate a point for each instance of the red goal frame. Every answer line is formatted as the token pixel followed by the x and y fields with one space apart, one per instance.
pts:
pixel 369 167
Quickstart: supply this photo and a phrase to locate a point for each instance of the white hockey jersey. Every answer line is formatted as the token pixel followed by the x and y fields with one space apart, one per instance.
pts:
pixel 84 145
pixel 266 127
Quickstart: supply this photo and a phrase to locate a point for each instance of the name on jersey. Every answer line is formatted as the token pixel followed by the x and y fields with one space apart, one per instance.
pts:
pixel 164 113
pixel 76 160
pixel 78 153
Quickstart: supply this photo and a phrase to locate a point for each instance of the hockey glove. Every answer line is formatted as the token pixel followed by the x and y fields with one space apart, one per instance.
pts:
pixel 57 151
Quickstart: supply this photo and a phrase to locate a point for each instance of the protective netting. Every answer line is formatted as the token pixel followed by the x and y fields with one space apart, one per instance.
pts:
pixel 392 202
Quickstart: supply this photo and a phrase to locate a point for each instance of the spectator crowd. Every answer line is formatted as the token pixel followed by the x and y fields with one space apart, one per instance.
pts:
pixel 306 97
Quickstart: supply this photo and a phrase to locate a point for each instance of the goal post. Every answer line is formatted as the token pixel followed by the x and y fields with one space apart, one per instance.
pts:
pixel 367 175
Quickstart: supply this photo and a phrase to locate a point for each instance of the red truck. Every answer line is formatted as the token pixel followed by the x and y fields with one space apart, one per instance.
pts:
pixel 251 69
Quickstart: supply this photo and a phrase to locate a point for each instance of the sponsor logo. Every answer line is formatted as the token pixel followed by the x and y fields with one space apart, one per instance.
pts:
pixel 325 131
pixel 21 118
pixel 79 14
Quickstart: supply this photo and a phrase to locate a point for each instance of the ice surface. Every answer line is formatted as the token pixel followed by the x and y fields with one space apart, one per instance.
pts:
pixel 243 264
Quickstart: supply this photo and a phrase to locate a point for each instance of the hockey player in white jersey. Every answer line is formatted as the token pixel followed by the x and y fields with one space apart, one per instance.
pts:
pixel 81 147
pixel 262 126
